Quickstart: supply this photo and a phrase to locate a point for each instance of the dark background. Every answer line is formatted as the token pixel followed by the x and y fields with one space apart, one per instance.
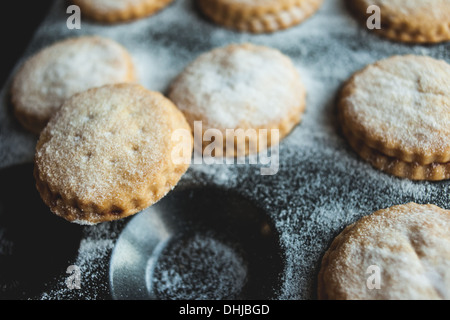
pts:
pixel 18 21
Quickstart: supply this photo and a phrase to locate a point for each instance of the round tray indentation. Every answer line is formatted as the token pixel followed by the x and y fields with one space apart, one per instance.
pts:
pixel 36 246
pixel 196 244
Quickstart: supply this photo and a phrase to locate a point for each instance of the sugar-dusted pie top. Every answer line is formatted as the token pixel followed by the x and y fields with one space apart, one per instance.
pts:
pixel 431 10
pixel 410 246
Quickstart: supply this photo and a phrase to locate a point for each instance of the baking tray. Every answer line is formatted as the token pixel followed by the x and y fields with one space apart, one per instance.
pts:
pixel 225 231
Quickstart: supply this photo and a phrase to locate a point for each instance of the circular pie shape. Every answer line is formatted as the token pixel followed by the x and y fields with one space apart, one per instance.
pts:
pixel 405 247
pixel 259 16
pixel 114 11
pixel 107 153
pixel 60 70
pixel 400 107
pixel 241 86
pixel 412 21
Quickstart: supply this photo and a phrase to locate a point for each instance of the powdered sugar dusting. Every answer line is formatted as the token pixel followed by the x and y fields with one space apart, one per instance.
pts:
pixel 199 268
pixel 85 153
pixel 239 86
pixel 68 67
pixel 322 186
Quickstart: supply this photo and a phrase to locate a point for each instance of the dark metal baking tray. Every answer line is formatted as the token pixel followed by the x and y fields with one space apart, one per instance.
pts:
pixel 226 231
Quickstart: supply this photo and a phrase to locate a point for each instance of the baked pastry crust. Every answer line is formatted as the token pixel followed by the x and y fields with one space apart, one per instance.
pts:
pixel 396 112
pixel 115 11
pixel 412 21
pixel 259 16
pixel 58 71
pixel 107 153
pixel 241 86
pixel 410 244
